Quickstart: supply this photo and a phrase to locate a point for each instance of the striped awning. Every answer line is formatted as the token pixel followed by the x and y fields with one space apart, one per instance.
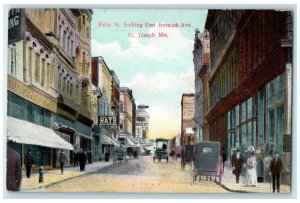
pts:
pixel 24 132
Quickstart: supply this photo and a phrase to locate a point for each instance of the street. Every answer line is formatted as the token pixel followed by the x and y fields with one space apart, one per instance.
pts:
pixel 138 176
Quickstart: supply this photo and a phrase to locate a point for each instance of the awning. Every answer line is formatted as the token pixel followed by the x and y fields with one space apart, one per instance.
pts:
pixel 130 140
pixel 25 132
pixel 84 136
pixel 109 141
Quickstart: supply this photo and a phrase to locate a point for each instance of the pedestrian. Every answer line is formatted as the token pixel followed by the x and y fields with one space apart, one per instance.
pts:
pixel 13 170
pixel 267 161
pixel 237 165
pixel 224 157
pixel 28 163
pixel 182 159
pixel 76 159
pixel 251 178
pixel 82 160
pixel 62 161
pixel 89 155
pixel 259 166
pixel 276 167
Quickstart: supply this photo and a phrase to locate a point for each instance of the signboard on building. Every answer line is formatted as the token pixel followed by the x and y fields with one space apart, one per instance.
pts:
pixel 189 131
pixel 107 120
pixel 16 25
pixel 142 124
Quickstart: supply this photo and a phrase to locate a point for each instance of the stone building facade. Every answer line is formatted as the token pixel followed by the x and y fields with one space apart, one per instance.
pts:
pixel 45 82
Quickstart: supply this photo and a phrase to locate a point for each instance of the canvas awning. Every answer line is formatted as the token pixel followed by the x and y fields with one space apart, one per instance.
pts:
pixel 109 141
pixel 24 132
pixel 85 136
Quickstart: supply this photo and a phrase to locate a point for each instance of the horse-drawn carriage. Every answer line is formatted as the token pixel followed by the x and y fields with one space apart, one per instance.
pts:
pixel 120 155
pixel 161 150
pixel 208 161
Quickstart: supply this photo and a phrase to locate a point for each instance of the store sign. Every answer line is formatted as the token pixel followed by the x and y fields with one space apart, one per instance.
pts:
pixel 16 25
pixel 189 131
pixel 108 120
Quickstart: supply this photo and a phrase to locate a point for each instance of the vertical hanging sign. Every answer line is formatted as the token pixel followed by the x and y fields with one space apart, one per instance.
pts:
pixel 16 25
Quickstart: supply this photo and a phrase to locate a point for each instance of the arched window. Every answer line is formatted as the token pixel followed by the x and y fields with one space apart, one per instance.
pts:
pixel 71 90
pixel 37 67
pixel 59 79
pixel 43 72
pixel 13 61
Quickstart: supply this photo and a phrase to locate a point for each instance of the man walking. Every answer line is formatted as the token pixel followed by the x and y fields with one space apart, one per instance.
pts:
pixel 13 170
pixel 276 167
pixel 82 160
pixel 62 160
pixel 237 165
pixel 224 157
pixel 28 163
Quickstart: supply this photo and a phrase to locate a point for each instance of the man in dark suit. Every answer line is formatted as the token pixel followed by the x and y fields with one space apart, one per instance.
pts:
pixel 237 163
pixel 28 163
pixel 82 160
pixel 276 167
pixel 13 170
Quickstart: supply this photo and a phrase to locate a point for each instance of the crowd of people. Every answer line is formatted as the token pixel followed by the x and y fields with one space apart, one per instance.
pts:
pixel 254 167
pixel 14 166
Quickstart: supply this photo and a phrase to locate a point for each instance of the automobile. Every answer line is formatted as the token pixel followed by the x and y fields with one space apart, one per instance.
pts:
pixel 161 150
pixel 208 161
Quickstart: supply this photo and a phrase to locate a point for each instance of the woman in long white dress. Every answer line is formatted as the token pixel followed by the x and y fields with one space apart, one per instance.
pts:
pixel 251 177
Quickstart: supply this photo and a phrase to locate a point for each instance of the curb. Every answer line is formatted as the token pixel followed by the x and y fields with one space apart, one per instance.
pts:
pixel 60 181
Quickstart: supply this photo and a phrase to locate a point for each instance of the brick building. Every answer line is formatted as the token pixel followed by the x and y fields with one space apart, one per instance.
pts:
pixel 187 119
pixel 250 80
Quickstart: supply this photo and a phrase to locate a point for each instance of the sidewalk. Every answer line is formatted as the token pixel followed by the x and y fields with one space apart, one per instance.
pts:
pixel 54 176
pixel 228 182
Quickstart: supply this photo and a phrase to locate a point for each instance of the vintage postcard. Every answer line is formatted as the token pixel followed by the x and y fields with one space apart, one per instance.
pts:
pixel 149 100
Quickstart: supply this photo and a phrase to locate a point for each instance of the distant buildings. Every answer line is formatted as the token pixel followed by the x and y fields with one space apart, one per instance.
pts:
pixel 187 119
pixel 201 65
pixel 127 111
pixel 142 123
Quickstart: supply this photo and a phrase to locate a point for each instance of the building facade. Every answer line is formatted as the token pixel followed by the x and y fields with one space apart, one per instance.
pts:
pixel 115 98
pixel 142 123
pixel 250 80
pixel 187 119
pixel 201 64
pixel 102 79
pixel 127 111
pixel 45 83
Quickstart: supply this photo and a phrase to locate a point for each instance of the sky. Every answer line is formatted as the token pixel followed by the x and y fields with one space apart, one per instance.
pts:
pixel 158 69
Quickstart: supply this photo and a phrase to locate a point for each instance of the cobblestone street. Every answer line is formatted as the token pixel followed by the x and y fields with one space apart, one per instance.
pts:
pixel 138 176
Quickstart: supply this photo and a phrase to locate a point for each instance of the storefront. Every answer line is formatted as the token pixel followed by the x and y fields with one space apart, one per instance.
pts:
pixel 259 121
pixel 25 135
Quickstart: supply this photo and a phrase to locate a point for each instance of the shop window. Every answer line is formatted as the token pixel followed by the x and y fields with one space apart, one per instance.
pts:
pixel 280 88
pixel 249 108
pixel 243 112
pixel 280 116
pixel 271 94
pixel 244 135
pixel 249 134
pixel 271 127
